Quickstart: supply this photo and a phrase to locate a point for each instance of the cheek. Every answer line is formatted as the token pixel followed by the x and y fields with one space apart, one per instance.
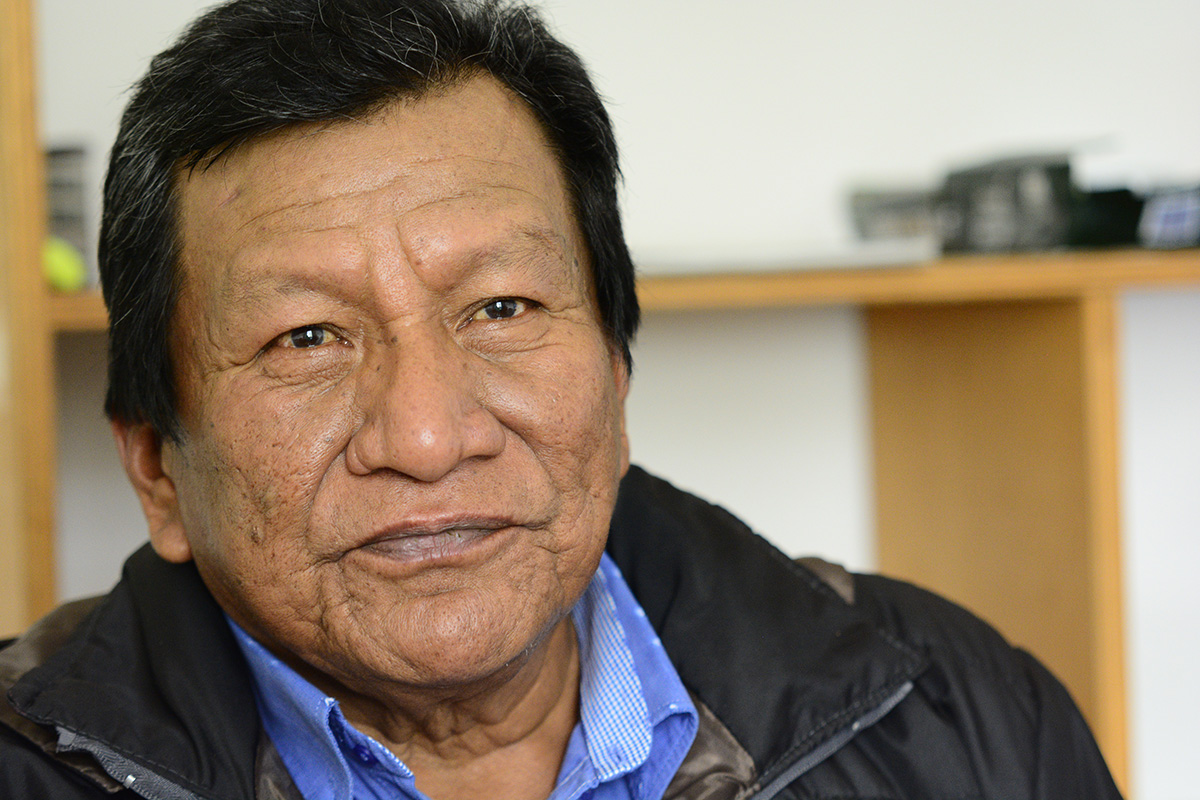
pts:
pixel 246 514
pixel 255 471
pixel 564 402
pixel 566 412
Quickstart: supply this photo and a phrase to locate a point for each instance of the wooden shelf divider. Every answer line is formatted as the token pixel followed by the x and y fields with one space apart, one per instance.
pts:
pixel 27 452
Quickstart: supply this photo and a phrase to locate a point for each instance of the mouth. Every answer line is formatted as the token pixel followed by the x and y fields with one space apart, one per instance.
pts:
pixel 434 543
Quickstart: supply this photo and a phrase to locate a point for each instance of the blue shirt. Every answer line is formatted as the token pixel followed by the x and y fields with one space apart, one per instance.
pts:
pixel 637 721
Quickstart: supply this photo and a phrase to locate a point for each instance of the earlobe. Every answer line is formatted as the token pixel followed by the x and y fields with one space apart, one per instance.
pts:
pixel 142 453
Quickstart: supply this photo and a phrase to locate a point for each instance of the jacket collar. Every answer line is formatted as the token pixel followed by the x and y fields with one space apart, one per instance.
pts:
pixel 735 613
pixel 154 670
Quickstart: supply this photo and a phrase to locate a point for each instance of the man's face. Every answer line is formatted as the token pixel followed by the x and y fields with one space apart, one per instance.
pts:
pixel 403 421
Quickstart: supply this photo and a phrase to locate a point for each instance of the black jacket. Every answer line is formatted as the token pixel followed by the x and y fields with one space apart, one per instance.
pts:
pixel 897 694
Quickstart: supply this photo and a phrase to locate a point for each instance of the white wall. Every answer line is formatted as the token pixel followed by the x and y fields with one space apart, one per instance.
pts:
pixel 766 413
pixel 99 520
pixel 1161 395
pixel 741 125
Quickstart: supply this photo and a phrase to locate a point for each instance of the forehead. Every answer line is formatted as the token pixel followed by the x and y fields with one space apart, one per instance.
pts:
pixel 423 167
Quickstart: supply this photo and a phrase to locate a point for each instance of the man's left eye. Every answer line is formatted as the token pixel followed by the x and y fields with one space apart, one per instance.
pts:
pixel 308 336
pixel 502 308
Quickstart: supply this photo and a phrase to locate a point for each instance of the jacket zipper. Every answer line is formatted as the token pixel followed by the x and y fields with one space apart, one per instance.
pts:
pixel 129 774
pixel 831 745
pixel 152 786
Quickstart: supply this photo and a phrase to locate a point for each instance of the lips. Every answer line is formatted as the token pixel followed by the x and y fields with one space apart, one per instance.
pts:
pixel 421 546
pixel 433 542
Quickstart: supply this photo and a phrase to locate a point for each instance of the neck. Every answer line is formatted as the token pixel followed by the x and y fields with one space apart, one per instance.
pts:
pixel 503 740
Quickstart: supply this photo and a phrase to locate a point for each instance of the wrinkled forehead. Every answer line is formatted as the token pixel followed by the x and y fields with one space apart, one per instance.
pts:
pixel 468 148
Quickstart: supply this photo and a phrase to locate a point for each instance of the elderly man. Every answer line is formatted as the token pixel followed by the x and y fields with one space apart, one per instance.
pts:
pixel 371 311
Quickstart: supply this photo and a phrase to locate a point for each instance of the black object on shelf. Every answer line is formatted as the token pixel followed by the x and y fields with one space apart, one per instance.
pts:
pixel 65 191
pixel 1105 219
pixel 1008 205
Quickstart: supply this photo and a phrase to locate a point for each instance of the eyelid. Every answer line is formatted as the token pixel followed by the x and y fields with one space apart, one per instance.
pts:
pixel 284 339
pixel 526 305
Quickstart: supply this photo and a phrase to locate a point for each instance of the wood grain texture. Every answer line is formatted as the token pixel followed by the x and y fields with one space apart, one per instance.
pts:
pixel 27 395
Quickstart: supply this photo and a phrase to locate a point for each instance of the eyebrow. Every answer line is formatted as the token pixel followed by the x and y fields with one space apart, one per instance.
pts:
pixel 533 246
pixel 524 241
pixel 536 247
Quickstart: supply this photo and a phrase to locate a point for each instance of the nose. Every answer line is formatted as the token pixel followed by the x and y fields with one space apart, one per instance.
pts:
pixel 423 411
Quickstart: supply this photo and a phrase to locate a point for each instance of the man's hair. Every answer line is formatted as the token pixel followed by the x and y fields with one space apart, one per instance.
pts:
pixel 252 66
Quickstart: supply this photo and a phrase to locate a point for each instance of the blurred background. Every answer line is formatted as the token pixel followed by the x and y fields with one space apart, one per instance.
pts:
pixel 746 131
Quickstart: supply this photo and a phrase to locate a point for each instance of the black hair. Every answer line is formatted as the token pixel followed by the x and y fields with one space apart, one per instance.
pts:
pixel 247 67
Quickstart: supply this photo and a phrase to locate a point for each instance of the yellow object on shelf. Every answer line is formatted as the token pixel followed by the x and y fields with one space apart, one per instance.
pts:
pixel 62 265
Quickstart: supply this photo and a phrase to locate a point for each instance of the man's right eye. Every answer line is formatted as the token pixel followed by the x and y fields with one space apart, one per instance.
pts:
pixel 307 336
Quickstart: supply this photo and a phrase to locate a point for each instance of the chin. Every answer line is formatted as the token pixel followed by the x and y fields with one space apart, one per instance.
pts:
pixel 457 643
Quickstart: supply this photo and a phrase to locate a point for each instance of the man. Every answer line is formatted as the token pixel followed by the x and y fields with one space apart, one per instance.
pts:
pixel 371 311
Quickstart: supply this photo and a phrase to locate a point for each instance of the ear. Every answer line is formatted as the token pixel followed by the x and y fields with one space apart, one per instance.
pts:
pixel 141 451
pixel 621 375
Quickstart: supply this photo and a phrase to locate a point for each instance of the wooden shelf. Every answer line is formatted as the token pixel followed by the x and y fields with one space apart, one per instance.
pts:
pixel 82 312
pixel 952 279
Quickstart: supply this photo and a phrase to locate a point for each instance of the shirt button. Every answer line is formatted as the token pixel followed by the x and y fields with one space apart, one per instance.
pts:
pixel 364 754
